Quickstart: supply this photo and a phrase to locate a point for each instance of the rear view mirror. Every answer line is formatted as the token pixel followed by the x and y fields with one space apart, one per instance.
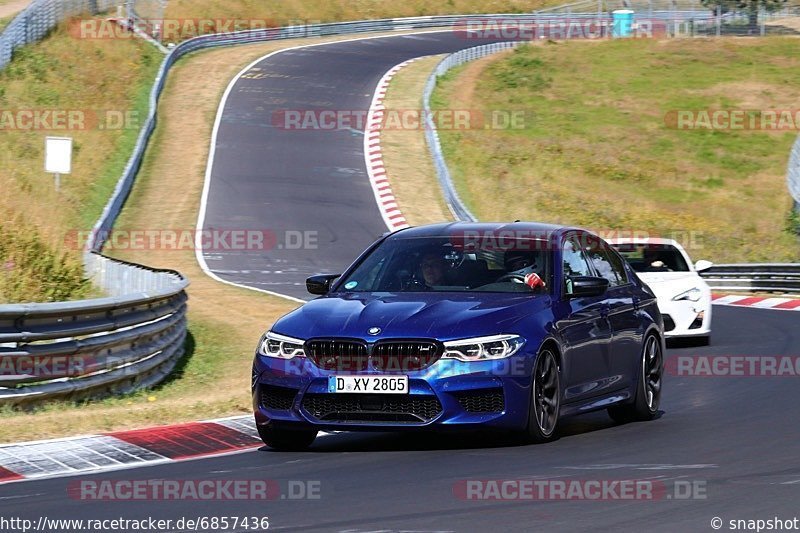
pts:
pixel 702 264
pixel 320 284
pixel 580 286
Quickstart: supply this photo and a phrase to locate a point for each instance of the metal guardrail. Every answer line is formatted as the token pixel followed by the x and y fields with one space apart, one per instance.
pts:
pixel 453 200
pixel 766 277
pixel 89 348
pixel 73 350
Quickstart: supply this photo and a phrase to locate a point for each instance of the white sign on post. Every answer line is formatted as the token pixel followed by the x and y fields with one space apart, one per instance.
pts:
pixel 58 157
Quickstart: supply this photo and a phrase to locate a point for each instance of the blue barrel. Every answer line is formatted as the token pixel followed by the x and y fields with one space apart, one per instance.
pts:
pixel 622 20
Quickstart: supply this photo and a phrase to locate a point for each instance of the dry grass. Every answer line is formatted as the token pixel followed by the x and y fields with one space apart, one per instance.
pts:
pixel 405 152
pixel 281 12
pixel 595 150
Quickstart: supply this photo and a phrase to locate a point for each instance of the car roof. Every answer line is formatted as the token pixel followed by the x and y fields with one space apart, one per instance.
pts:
pixel 643 240
pixel 523 229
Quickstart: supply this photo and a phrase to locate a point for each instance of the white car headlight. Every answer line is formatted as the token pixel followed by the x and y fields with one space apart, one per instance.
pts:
pixel 483 348
pixel 280 346
pixel 694 294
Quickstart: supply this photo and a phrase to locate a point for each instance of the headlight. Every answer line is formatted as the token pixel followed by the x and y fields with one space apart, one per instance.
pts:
pixel 693 295
pixel 280 346
pixel 483 348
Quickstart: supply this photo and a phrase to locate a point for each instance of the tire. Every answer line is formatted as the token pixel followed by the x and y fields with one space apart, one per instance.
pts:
pixel 286 439
pixel 648 390
pixel 545 402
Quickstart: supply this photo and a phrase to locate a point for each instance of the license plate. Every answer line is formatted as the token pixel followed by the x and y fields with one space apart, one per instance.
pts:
pixel 368 384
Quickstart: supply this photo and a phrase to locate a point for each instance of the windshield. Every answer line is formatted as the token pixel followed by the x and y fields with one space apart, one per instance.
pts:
pixel 418 264
pixel 653 257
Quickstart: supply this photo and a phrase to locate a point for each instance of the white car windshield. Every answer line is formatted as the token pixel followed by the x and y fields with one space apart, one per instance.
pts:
pixel 653 257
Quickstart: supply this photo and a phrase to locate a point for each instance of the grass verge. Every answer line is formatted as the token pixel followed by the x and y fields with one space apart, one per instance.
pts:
pixel 597 150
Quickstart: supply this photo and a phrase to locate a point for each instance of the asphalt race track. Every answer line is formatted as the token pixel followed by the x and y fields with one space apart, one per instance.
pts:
pixel 736 438
pixel 312 184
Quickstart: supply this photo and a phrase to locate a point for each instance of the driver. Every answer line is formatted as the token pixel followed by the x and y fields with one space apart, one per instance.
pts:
pixel 523 265
pixel 653 260
pixel 433 269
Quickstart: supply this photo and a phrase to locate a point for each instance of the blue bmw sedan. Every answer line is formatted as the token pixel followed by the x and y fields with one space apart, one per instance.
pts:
pixel 463 326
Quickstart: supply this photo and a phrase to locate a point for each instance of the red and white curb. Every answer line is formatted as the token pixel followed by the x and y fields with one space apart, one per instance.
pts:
pixel 759 302
pixel 126 449
pixel 387 203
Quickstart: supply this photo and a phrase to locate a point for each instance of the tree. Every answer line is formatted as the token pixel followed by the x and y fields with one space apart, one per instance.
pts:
pixel 752 7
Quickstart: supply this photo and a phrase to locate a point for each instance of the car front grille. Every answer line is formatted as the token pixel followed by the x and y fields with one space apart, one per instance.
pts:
pixel 278 398
pixel 482 401
pixel 405 356
pixel 669 324
pixel 351 355
pixel 338 354
pixel 372 407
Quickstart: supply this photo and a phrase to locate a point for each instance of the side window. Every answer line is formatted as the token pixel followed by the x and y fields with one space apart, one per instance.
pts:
pixel 574 261
pixel 618 266
pixel 598 255
pixel 607 263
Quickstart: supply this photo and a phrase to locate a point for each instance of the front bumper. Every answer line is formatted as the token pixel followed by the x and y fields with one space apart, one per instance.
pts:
pixel 447 395
pixel 685 318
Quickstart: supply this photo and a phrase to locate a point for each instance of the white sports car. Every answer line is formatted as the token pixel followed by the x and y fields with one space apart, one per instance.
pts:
pixel 684 298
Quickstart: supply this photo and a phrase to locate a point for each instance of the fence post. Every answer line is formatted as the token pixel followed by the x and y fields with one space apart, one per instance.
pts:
pixel 600 16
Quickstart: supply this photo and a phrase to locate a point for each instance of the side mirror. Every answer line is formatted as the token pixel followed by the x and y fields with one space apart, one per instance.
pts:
pixel 320 284
pixel 703 265
pixel 579 286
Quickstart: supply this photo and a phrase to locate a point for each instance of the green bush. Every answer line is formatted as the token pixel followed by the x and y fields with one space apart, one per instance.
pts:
pixel 30 271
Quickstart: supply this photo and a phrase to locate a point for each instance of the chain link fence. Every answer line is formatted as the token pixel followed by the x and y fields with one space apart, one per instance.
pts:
pixel 41 16
pixel 686 18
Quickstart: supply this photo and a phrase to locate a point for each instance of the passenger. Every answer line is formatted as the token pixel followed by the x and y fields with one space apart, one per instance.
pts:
pixel 524 266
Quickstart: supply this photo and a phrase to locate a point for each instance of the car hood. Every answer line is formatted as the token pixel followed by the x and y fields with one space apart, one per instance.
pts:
pixel 445 316
pixel 670 284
